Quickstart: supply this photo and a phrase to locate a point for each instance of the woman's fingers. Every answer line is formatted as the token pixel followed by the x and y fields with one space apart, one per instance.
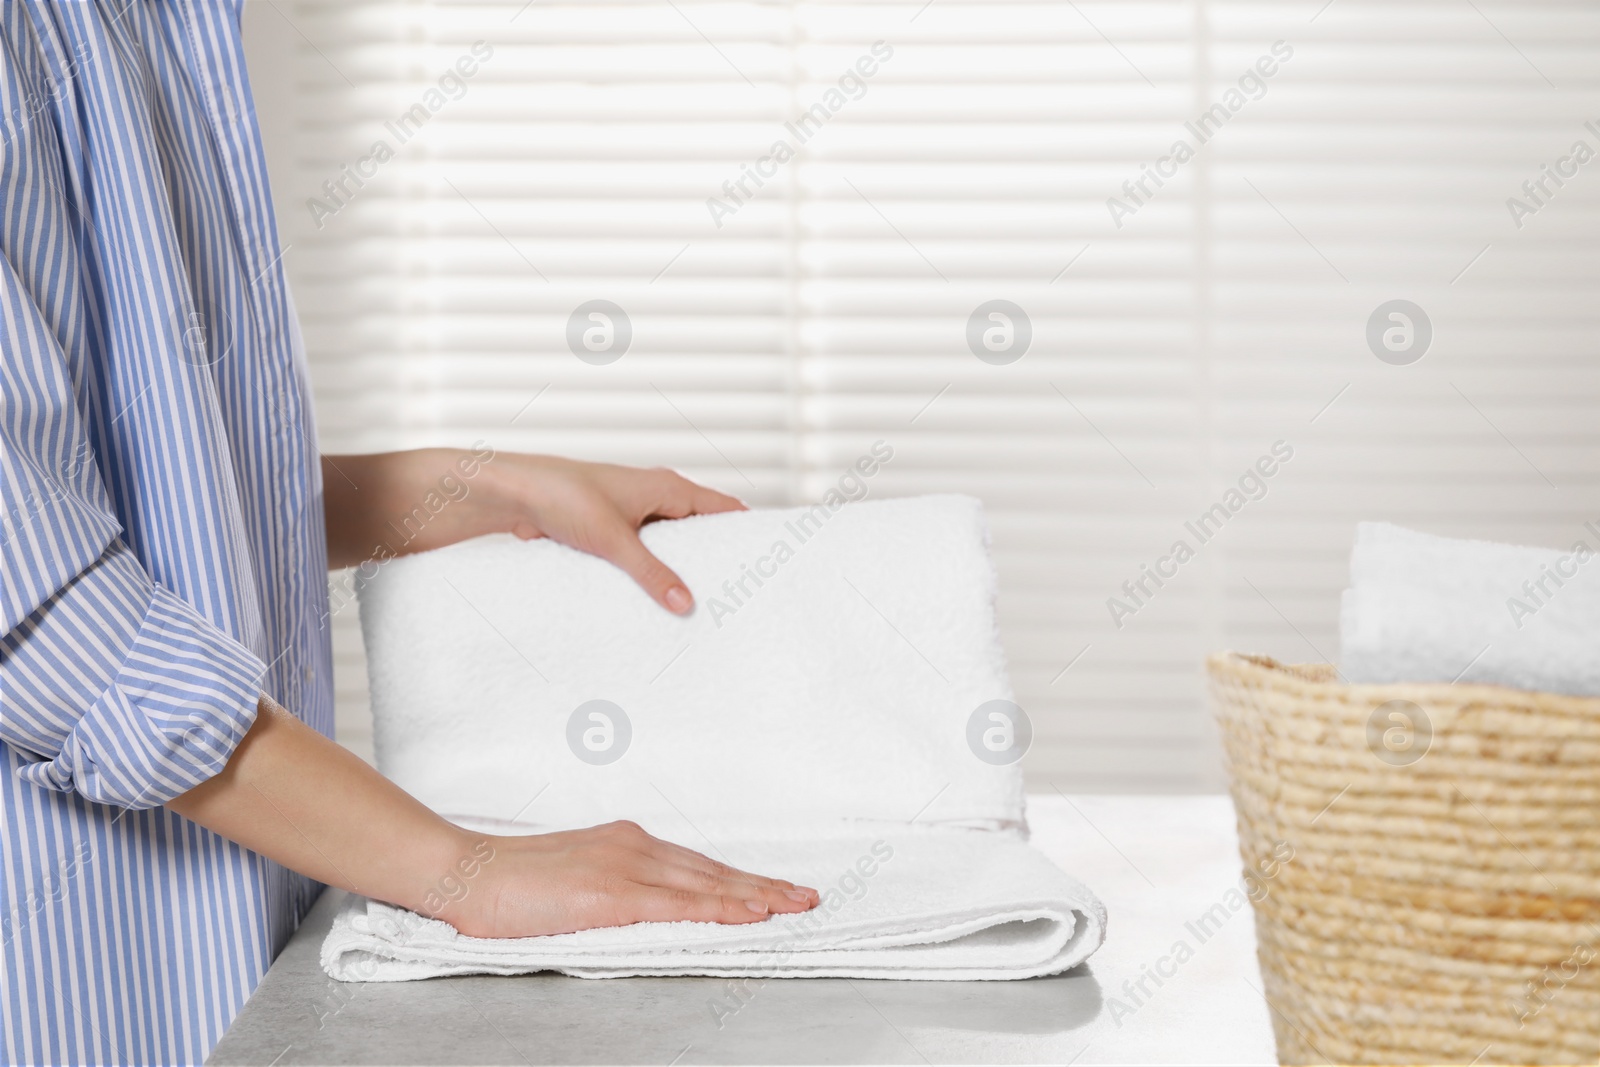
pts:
pixel 653 849
pixel 660 494
pixel 677 855
pixel 676 497
pixel 598 508
pixel 774 898
pixel 704 501
pixel 651 903
pixel 656 578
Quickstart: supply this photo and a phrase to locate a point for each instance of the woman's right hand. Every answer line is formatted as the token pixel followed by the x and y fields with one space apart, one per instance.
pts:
pixel 610 875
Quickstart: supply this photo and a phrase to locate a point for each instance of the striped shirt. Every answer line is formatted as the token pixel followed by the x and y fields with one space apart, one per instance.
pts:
pixel 161 536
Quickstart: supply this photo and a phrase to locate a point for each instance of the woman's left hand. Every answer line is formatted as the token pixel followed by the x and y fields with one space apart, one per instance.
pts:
pixel 598 508
pixel 394 503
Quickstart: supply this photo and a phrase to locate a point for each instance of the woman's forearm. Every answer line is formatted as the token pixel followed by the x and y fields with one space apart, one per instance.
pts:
pixel 392 503
pixel 300 799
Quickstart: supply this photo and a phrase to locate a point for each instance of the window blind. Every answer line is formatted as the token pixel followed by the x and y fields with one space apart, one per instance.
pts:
pixel 969 230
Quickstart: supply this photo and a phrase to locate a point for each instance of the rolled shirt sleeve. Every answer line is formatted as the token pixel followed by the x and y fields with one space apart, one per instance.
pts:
pixel 126 694
pixel 113 684
pixel 123 690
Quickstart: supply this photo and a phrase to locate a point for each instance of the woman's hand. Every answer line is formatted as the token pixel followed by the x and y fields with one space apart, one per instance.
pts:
pixel 598 508
pixel 394 503
pixel 610 875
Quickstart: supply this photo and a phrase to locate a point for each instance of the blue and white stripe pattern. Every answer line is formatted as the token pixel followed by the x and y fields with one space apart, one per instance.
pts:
pixel 161 537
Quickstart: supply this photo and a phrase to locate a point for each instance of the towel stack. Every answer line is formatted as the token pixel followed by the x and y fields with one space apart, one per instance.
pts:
pixel 1431 609
pixel 829 699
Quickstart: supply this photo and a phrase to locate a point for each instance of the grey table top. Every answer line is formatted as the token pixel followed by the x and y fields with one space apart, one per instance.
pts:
pixel 1158 862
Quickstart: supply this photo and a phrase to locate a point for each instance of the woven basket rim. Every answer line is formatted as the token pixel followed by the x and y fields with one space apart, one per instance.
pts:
pixel 1320 678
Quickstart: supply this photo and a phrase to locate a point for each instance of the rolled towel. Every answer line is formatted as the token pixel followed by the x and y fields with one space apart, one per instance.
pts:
pixel 1432 609
pixel 841 674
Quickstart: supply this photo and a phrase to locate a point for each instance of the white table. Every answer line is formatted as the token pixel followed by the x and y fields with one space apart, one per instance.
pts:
pixel 1159 863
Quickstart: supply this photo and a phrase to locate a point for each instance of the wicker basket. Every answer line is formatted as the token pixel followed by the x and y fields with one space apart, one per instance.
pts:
pixel 1440 899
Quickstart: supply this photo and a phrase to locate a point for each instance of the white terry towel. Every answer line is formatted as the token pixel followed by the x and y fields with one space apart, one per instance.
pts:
pixel 891 908
pixel 1422 608
pixel 839 690
pixel 825 687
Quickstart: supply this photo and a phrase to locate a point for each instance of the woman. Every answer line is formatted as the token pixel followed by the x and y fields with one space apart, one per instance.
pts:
pixel 171 799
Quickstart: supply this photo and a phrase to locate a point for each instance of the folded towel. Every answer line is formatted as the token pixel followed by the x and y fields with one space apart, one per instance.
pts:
pixel 1431 609
pixel 837 682
pixel 828 674
pixel 892 907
